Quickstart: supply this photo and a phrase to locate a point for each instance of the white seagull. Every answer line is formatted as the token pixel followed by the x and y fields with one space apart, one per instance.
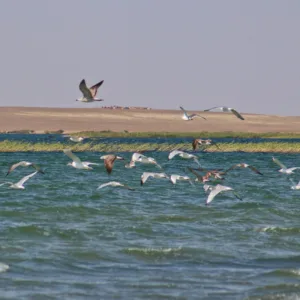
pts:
pixel 115 184
pixel 184 155
pixel 77 139
pixel 175 177
pixel 89 94
pixel 138 157
pixel 283 167
pixel 24 164
pixel 227 109
pixel 19 184
pixel 295 186
pixel 146 175
pixel 188 117
pixel 215 190
pixel 77 163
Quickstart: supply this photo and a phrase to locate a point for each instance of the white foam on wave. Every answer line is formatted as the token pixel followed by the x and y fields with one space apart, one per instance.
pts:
pixel 3 267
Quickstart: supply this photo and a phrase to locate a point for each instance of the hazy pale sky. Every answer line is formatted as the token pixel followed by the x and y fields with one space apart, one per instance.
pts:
pixel 158 53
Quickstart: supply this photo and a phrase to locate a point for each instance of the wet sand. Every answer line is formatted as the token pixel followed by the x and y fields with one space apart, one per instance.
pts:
pixel 137 120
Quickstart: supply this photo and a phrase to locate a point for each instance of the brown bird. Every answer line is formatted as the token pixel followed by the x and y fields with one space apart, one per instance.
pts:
pixel 89 94
pixel 208 142
pixel 243 165
pixel 109 160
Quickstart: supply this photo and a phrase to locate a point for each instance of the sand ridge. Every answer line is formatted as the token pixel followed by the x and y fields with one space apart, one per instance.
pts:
pixel 136 120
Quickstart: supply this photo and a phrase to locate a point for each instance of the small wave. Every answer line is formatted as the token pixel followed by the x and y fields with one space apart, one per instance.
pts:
pixel 173 218
pixel 154 253
pixel 276 229
pixel 3 267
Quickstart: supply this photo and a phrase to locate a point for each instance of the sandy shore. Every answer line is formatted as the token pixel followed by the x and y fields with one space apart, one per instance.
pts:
pixel 99 119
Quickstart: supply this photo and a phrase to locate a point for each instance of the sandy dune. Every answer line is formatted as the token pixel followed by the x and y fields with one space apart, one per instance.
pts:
pixel 91 119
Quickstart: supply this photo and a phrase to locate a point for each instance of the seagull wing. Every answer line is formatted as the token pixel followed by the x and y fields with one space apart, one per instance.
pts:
pixel 195 144
pixel 104 185
pixel 211 108
pixel 109 163
pixel 215 191
pixel 196 174
pixel 254 170
pixel 24 179
pixel 128 187
pixel 292 181
pixel 232 168
pixel 69 153
pixel 12 167
pixel 184 111
pixel 94 88
pixel 174 153
pixel 6 183
pixel 38 168
pixel 85 90
pixel 237 195
pixel 237 114
pixel 276 161
pixel 145 176
pixel 196 115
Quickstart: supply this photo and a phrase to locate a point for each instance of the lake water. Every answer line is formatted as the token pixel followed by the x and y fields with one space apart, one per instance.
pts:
pixel 64 239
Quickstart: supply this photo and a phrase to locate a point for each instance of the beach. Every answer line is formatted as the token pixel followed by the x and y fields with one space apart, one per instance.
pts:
pixel 72 120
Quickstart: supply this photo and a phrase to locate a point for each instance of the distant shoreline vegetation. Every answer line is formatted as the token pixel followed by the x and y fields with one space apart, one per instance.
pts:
pixel 203 134
pixel 22 146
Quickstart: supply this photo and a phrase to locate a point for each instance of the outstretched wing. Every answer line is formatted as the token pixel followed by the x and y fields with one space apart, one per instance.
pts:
pixel 109 163
pixel 237 114
pixel 145 176
pixel 85 90
pixel 196 115
pixel 195 173
pixel 94 88
pixel 14 166
pixel 237 195
pixel 104 185
pixel 184 111
pixel 128 187
pixel 215 191
pixel 174 153
pixel 69 153
pixel 211 108
pixel 24 179
pixel 276 161
pixel 292 181
pixel 254 170
pixel 232 168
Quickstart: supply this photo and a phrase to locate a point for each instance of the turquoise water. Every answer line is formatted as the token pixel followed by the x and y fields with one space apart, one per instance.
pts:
pixel 64 239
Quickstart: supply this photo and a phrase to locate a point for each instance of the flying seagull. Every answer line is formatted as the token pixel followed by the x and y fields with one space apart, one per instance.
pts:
pixel 24 164
pixel 227 109
pixel 19 184
pixel 205 178
pixel 184 155
pixel 243 165
pixel 146 175
pixel 89 94
pixel 208 142
pixel 109 160
pixel 283 167
pixel 188 117
pixel 175 177
pixel 215 190
pixel 115 184
pixel 138 157
pixel 77 163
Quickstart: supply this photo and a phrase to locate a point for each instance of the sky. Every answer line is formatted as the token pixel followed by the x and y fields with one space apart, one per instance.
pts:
pixel 156 53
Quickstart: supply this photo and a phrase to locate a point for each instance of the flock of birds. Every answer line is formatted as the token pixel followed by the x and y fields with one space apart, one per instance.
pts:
pixel 199 175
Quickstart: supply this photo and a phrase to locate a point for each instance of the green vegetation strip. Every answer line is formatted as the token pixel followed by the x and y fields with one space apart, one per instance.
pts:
pixel 14 146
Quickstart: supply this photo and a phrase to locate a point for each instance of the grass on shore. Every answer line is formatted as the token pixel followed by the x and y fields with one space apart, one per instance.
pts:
pixel 15 146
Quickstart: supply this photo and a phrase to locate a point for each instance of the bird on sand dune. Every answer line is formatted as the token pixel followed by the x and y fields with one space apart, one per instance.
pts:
pixel 188 117
pixel 77 163
pixel 109 160
pixel 19 184
pixel 24 164
pixel 89 94
pixel 227 109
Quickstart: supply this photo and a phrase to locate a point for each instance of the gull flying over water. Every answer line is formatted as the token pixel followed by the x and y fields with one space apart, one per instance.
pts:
pixel 20 184
pixel 188 117
pixel 215 190
pixel 175 177
pixel 227 109
pixel 184 155
pixel 295 186
pixel 89 94
pixel 243 165
pixel 77 139
pixel 208 142
pixel 284 169
pixel 109 160
pixel 138 157
pixel 24 164
pixel 146 175
pixel 206 177
pixel 77 163
pixel 115 184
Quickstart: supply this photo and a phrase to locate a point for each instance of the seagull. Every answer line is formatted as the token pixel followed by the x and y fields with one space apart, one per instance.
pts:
pixel 77 139
pixel 146 175
pixel 197 142
pixel 109 160
pixel 226 109
pixel 184 155
pixel 134 158
pixel 295 186
pixel 187 117
pixel 243 165
pixel 283 167
pixel 175 177
pixel 89 93
pixel 24 164
pixel 115 184
pixel 205 178
pixel 20 184
pixel 138 157
pixel 215 190
pixel 77 163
